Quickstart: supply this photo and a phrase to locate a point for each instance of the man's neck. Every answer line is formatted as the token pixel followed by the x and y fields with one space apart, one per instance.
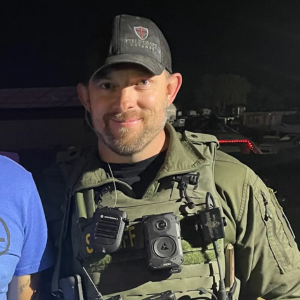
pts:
pixel 158 144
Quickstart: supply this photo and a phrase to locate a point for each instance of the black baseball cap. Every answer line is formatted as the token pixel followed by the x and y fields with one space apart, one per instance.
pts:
pixel 135 40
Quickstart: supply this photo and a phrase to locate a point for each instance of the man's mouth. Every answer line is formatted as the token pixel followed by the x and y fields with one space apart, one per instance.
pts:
pixel 126 122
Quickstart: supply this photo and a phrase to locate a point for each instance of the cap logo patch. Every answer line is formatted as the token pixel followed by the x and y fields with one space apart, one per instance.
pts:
pixel 141 32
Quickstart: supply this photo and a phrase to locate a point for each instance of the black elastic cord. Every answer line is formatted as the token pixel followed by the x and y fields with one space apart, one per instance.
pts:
pixel 190 202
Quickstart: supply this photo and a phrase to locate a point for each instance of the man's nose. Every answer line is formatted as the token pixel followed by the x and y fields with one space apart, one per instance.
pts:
pixel 127 98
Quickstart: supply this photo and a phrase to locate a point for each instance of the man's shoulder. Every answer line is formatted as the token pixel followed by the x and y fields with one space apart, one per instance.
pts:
pixel 66 161
pixel 228 168
pixel 198 138
pixel 224 159
pixel 70 155
pixel 13 172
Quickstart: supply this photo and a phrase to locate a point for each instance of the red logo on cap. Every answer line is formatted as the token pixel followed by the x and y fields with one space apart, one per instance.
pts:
pixel 141 32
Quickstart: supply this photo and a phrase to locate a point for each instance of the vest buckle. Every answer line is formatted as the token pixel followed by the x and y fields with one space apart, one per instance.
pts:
pixel 183 182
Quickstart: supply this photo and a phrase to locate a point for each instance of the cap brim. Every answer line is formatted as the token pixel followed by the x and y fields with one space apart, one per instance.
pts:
pixel 149 63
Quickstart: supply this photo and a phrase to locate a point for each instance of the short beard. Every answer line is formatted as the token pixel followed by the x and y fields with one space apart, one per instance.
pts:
pixel 136 145
pixel 137 142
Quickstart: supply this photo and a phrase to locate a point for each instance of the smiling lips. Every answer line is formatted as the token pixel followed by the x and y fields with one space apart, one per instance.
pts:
pixel 127 122
pixel 125 119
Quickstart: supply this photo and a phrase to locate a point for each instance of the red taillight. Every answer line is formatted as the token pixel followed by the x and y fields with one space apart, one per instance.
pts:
pixel 247 142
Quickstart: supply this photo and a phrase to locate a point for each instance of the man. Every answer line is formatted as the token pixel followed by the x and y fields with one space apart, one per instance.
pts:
pixel 23 233
pixel 167 195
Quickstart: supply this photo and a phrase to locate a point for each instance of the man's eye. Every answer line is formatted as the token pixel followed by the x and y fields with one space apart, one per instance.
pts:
pixel 106 85
pixel 144 82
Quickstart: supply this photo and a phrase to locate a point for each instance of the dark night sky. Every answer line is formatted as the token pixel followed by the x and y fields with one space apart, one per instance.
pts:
pixel 42 43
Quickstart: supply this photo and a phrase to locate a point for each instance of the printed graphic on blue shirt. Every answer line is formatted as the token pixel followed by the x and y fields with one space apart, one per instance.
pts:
pixel 4 237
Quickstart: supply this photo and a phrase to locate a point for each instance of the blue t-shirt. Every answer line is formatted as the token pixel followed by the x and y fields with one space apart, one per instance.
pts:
pixel 23 230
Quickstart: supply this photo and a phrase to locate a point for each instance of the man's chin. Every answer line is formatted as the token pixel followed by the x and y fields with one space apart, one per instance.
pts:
pixel 126 150
pixel 128 145
pixel 126 136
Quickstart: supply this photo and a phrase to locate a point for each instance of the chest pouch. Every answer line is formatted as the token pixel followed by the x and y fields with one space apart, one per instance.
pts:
pixel 107 229
pixel 163 242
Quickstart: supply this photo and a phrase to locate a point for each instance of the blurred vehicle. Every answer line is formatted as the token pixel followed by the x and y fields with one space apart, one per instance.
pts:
pixel 276 145
pixel 235 143
pixel 231 141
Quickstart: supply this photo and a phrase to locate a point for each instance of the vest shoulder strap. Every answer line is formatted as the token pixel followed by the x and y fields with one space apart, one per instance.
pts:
pixel 205 144
pixel 200 138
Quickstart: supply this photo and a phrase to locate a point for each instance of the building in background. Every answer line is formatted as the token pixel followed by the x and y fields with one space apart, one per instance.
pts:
pixel 268 121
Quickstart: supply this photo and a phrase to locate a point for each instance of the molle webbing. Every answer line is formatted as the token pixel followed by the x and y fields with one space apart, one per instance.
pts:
pixel 125 272
pixel 128 275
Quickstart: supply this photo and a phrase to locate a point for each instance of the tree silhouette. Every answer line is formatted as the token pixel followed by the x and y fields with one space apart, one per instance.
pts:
pixel 263 98
pixel 219 91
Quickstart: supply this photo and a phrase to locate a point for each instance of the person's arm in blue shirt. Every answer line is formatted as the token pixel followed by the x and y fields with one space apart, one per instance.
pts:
pixel 24 221
pixel 23 287
pixel 33 257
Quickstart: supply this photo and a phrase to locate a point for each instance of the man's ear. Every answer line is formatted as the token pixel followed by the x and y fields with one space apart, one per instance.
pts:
pixel 173 86
pixel 83 95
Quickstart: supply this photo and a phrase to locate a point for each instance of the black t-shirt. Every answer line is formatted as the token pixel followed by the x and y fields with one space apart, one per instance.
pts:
pixel 138 175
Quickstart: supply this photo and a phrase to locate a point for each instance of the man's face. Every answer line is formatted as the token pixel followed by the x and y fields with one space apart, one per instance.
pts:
pixel 128 107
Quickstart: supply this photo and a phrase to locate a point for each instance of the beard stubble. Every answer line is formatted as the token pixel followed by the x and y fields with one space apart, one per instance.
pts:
pixel 129 141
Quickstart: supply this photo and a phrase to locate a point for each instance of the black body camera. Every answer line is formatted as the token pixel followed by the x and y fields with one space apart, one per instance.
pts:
pixel 107 229
pixel 163 242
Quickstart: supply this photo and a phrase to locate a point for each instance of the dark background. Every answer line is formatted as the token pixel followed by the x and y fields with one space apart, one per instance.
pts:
pixel 43 43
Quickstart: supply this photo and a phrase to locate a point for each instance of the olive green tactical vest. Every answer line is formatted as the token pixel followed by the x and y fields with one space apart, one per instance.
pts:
pixel 125 272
